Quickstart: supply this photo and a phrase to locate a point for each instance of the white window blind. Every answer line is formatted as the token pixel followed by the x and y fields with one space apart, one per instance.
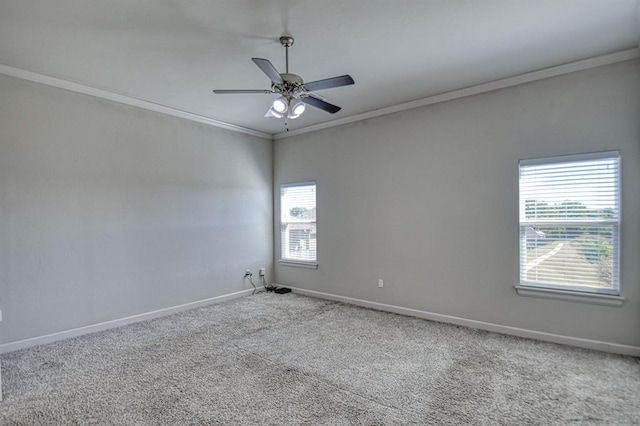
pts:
pixel 298 222
pixel 570 222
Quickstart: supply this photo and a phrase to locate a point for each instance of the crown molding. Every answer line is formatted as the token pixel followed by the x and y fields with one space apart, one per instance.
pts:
pixel 127 100
pixel 585 64
pixel 612 58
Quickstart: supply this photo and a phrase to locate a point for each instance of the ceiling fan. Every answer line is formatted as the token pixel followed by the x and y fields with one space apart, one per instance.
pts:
pixel 294 93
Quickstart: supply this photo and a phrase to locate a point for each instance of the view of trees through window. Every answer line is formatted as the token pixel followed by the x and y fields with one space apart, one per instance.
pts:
pixel 569 222
pixel 581 255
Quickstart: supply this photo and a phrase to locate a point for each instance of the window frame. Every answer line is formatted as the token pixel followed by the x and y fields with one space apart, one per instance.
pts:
pixel 584 293
pixel 311 264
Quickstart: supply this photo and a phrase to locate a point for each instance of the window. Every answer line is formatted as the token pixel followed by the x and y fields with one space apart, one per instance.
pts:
pixel 298 223
pixel 570 223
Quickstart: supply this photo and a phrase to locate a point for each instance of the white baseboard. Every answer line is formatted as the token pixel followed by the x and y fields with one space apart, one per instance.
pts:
pixel 513 331
pixel 49 338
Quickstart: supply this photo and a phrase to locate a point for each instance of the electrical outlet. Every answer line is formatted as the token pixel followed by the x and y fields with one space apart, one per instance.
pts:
pixel 262 272
pixel 381 283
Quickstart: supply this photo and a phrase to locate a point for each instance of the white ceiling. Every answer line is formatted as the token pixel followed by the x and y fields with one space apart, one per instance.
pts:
pixel 173 52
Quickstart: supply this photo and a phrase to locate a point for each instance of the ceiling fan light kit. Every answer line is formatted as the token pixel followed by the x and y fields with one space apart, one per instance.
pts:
pixel 281 104
pixel 273 113
pixel 297 108
pixel 293 108
pixel 294 93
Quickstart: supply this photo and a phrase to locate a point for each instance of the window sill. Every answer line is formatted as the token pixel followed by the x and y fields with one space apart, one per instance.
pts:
pixel 572 296
pixel 297 264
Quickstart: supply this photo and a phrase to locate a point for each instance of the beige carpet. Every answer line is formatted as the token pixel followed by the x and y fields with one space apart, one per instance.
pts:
pixel 288 359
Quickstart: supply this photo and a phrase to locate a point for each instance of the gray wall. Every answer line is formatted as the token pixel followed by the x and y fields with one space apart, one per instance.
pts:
pixel 427 199
pixel 108 211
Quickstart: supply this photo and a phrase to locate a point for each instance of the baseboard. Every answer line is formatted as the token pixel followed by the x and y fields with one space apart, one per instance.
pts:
pixel 93 328
pixel 514 331
pixel 481 325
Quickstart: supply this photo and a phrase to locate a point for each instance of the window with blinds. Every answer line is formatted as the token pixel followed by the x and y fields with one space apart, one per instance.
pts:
pixel 298 222
pixel 570 222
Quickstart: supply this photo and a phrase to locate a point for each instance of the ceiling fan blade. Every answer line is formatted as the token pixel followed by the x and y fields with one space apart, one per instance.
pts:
pixel 267 67
pixel 320 104
pixel 327 83
pixel 233 92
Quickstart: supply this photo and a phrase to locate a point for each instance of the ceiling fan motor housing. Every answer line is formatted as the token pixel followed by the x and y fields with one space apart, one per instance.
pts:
pixel 293 86
pixel 291 78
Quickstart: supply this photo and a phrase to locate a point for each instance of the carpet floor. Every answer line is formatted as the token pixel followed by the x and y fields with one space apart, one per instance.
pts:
pixel 290 360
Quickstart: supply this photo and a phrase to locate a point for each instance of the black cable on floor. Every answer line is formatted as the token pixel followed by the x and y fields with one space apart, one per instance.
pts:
pixel 267 287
